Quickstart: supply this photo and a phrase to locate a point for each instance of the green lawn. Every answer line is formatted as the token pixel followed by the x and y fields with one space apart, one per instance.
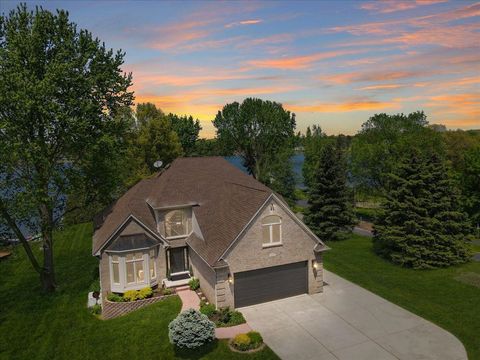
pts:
pixel 58 326
pixel 436 295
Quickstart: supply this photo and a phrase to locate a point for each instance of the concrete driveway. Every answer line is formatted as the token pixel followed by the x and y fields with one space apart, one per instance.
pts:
pixel 347 322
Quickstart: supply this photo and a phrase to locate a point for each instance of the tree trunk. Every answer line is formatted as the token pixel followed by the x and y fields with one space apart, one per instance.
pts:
pixel 47 276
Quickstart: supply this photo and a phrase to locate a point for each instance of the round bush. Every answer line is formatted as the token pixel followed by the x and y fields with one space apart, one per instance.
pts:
pixel 242 342
pixel 191 329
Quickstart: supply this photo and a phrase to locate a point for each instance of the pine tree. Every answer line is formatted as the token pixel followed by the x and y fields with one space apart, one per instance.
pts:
pixel 330 214
pixel 420 225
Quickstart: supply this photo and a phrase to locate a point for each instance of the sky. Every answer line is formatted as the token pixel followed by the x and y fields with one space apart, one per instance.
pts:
pixel 333 64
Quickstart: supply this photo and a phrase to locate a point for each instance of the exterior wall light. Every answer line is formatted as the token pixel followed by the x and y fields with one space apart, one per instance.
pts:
pixel 230 278
pixel 315 264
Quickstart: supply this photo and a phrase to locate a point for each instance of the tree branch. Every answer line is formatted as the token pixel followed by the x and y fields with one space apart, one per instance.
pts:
pixel 23 240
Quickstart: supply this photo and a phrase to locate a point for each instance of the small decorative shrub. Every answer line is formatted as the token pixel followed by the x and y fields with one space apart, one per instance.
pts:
pixel 95 288
pixel 242 342
pixel 236 318
pixel 194 284
pixel 96 309
pixel 115 297
pixel 249 341
pixel 255 338
pixel 167 291
pixel 144 293
pixel 191 329
pixel 207 309
pixel 224 315
pixel 130 295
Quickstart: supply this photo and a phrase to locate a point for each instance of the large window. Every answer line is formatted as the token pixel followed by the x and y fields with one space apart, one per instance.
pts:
pixel 133 270
pixel 175 223
pixel 272 230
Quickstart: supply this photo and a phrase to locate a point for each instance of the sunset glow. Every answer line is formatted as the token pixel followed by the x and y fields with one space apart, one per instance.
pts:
pixel 332 63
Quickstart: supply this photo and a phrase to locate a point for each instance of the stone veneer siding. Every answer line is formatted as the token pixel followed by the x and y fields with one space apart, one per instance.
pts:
pixel 112 310
pixel 249 254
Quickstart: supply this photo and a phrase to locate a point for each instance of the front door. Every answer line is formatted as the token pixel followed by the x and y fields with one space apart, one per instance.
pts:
pixel 177 259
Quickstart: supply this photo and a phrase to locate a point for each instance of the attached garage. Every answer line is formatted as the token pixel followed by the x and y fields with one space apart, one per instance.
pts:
pixel 271 283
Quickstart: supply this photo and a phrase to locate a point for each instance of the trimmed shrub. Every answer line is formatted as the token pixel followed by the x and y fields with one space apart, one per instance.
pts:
pixel 191 329
pixel 130 295
pixel 144 293
pixel 255 338
pixel 241 342
pixel 236 318
pixel 207 309
pixel 96 309
pixel 115 297
pixel 224 315
pixel 194 284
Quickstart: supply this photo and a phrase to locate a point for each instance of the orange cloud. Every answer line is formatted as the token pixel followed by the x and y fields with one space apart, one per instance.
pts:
pixel 381 87
pixel 389 6
pixel 298 62
pixel 361 105
pixel 376 76
pixel 244 22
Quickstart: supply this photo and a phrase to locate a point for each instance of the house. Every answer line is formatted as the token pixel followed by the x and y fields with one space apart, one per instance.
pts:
pixel 205 218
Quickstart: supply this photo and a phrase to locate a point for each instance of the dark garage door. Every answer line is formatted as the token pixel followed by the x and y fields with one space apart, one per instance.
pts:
pixel 267 284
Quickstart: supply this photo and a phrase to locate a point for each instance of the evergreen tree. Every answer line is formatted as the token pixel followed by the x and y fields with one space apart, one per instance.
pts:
pixel 330 214
pixel 420 225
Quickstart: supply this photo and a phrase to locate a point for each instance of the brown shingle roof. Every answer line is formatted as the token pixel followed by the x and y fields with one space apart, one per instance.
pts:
pixel 227 199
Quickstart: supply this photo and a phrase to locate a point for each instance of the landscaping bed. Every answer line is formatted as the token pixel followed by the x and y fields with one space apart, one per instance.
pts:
pixel 247 343
pixel 223 317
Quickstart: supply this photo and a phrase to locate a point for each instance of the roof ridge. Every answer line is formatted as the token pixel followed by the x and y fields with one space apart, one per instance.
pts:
pixel 249 187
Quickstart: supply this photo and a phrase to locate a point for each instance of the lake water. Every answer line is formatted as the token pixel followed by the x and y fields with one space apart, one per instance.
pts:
pixel 296 160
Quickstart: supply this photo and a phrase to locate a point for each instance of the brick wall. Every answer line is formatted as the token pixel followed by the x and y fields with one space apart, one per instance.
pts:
pixel 112 310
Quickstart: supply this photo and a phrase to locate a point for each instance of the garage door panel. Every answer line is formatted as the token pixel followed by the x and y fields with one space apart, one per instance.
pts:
pixel 267 284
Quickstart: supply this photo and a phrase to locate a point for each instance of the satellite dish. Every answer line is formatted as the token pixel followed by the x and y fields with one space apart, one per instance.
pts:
pixel 158 164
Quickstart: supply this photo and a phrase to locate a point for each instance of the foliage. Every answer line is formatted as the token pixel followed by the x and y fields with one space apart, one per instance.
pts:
pixel 60 93
pixel 470 184
pixel 167 291
pixel 242 342
pixel 210 147
pixel 59 328
pixel 96 309
pixel 191 330
pixel 330 214
pixel 133 295
pixel 95 286
pixel 421 225
pixel 255 338
pixel 115 297
pixel 194 283
pixel 313 142
pixel 262 133
pixel 382 140
pixel 187 131
pixel 434 295
pixel 207 309
pixel 144 293
pixel 156 139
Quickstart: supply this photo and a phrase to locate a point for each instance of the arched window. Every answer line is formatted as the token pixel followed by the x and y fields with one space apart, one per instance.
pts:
pixel 272 230
pixel 175 223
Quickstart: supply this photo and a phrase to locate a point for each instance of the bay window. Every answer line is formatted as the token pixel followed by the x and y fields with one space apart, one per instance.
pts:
pixel 132 270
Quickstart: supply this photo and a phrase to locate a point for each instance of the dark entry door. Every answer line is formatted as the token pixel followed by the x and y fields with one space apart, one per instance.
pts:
pixel 177 260
pixel 267 284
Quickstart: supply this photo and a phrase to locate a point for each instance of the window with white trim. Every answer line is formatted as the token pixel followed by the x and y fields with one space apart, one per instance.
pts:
pixel 132 270
pixel 272 230
pixel 176 223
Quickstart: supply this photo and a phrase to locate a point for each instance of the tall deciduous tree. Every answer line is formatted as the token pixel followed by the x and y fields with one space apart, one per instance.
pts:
pixel 261 132
pixel 156 138
pixel 60 93
pixel 330 214
pixel 187 131
pixel 382 140
pixel 421 225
